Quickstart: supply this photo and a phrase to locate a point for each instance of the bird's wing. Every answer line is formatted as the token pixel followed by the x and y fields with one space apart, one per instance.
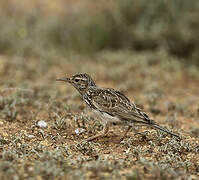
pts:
pixel 116 104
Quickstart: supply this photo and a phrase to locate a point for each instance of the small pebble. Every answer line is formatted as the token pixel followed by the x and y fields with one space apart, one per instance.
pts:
pixel 31 136
pixel 42 124
pixel 79 131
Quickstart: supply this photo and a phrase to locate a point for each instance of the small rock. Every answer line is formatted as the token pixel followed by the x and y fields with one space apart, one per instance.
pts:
pixel 30 136
pixel 42 124
pixel 79 131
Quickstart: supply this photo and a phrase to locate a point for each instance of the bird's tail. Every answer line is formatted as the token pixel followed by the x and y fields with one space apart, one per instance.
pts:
pixel 165 130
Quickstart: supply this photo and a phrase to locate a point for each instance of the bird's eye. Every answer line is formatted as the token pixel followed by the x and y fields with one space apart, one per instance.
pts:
pixel 76 80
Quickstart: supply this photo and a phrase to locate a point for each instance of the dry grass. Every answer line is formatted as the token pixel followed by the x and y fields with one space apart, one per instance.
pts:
pixel 29 93
pixel 134 49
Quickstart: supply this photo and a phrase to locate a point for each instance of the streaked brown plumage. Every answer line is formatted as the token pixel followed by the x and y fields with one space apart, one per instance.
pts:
pixel 111 105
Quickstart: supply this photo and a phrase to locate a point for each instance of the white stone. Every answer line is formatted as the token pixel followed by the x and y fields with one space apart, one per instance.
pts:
pixel 79 131
pixel 42 124
pixel 31 136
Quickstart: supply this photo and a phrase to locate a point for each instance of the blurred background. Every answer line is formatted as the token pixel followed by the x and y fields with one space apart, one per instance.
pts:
pixel 47 28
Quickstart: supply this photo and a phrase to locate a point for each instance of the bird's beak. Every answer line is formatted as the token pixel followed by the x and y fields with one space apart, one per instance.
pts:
pixel 64 79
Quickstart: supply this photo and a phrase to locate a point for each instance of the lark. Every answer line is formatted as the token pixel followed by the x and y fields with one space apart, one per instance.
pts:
pixel 112 106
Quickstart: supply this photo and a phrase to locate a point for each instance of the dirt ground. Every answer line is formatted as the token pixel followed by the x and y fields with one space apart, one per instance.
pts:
pixel 164 88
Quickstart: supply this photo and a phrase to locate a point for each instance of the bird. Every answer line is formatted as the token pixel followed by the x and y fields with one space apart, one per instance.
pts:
pixel 112 106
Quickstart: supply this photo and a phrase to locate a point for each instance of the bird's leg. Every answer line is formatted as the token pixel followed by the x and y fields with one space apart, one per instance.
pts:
pixel 104 132
pixel 125 133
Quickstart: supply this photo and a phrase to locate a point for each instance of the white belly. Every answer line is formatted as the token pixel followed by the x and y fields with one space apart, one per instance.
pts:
pixel 106 118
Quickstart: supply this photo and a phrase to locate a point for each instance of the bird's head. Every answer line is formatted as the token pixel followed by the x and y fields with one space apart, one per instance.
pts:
pixel 80 81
